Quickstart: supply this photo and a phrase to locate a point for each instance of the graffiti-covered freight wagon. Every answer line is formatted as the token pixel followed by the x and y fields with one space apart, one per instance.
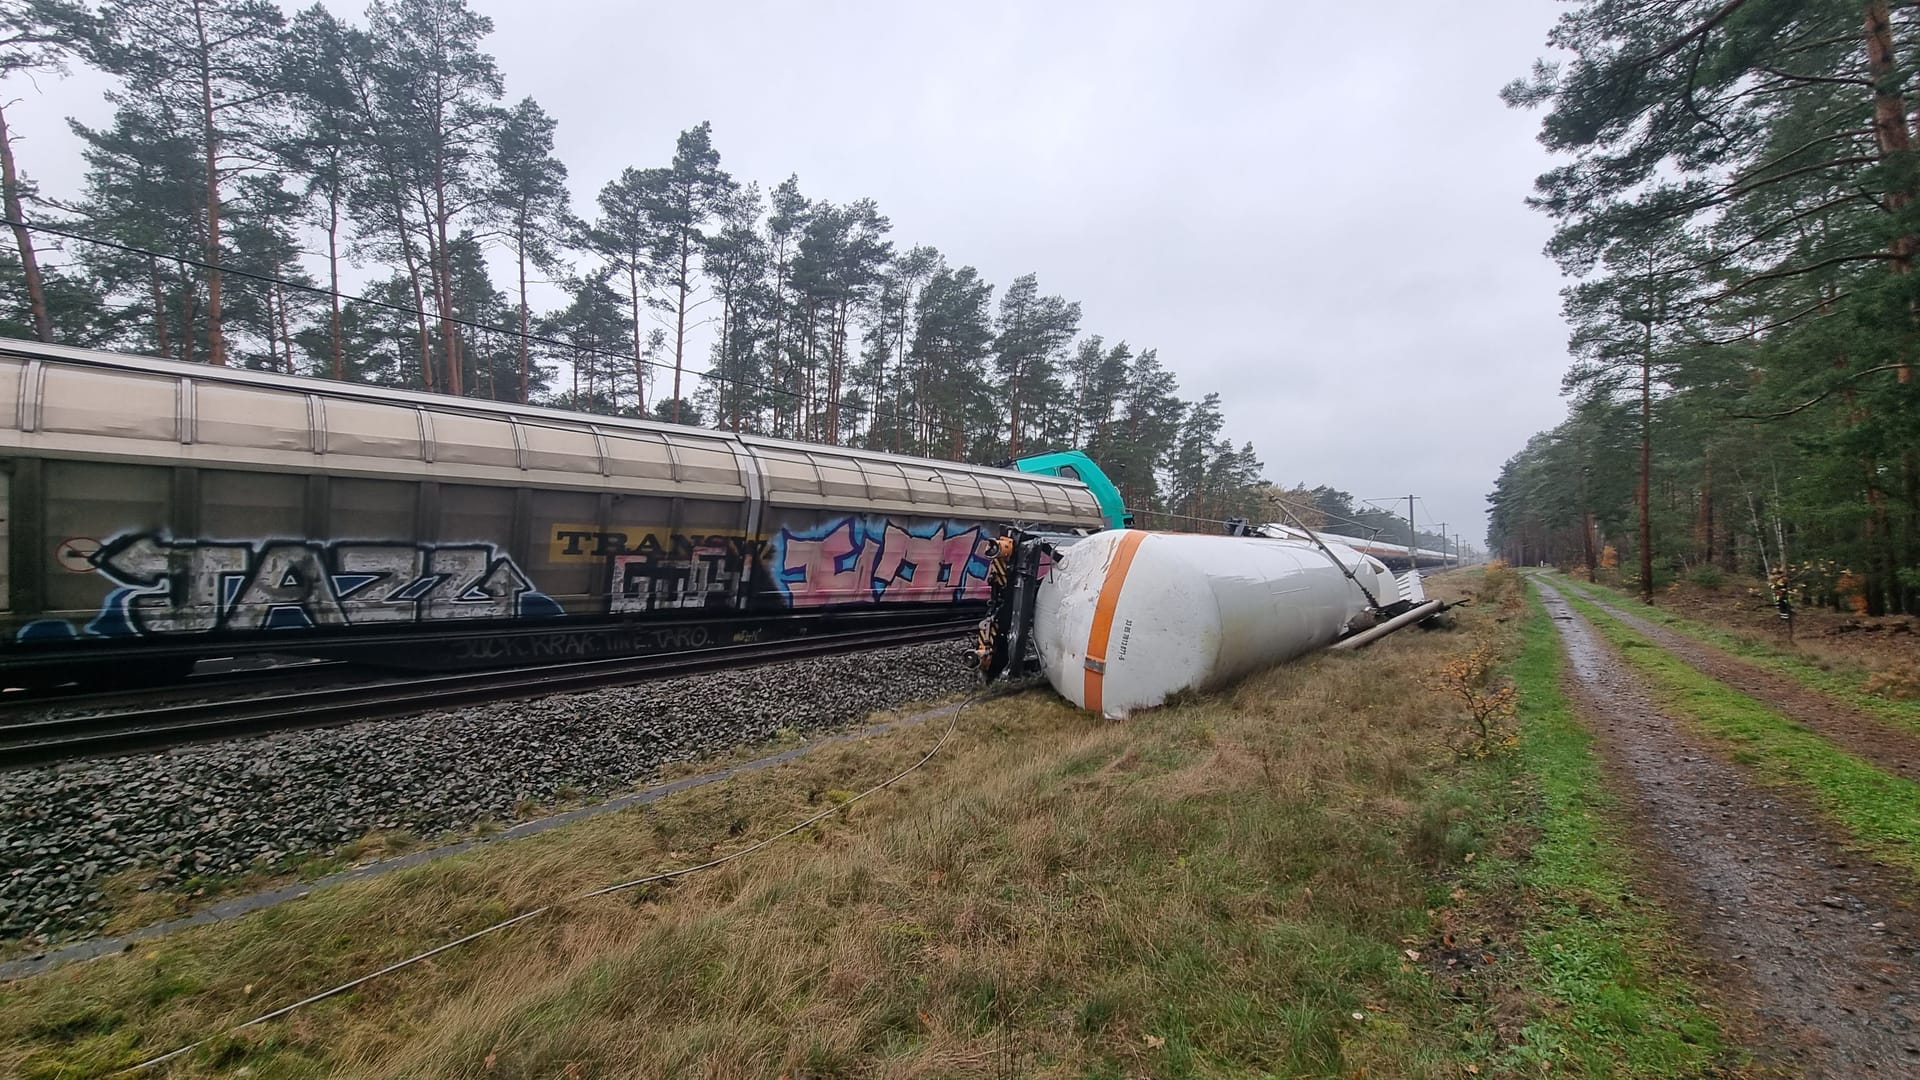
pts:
pixel 156 512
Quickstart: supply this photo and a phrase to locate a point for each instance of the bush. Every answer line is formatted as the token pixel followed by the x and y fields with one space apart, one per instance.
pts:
pixel 1500 585
pixel 1488 703
pixel 1900 684
pixel 1707 577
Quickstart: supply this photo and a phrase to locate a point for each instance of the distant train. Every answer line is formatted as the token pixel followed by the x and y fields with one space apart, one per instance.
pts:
pixel 154 513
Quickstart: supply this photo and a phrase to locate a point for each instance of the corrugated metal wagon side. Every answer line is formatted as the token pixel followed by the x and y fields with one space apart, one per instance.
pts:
pixel 162 511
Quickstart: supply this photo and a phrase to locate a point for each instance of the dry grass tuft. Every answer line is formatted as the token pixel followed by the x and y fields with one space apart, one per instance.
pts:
pixel 1214 887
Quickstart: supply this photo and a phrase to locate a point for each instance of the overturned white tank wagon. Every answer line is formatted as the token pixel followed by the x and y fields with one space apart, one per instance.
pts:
pixel 1123 620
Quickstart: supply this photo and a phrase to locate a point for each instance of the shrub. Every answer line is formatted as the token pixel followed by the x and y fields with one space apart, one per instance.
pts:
pixel 1500 586
pixel 1902 684
pixel 1487 720
pixel 1707 577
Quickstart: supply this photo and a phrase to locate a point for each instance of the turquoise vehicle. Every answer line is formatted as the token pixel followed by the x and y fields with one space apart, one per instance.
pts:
pixel 1074 465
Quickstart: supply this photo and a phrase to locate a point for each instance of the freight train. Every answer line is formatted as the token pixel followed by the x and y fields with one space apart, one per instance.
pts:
pixel 155 513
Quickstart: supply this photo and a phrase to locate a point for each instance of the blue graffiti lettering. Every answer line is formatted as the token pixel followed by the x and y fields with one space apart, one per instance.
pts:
pixel 169 586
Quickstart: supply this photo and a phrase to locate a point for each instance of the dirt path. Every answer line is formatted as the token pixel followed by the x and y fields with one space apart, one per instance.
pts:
pixel 1818 942
pixel 1860 732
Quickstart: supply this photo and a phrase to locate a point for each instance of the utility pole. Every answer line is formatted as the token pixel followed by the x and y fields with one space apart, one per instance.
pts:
pixel 1443 545
pixel 1413 538
pixel 1458 558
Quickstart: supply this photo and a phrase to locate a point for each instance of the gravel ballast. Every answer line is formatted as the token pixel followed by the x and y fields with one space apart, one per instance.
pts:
pixel 222 808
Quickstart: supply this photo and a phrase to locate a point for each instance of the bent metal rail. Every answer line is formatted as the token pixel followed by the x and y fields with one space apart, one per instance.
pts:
pixel 58 739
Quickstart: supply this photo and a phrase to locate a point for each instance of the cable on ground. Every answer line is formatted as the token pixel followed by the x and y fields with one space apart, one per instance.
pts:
pixel 953 724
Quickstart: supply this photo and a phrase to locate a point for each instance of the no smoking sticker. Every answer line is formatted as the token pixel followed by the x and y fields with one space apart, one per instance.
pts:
pixel 75 554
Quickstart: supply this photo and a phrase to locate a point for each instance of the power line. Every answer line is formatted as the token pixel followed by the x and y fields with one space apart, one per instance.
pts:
pixel 316 290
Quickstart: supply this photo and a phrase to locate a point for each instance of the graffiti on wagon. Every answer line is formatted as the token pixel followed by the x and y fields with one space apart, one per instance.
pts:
pixel 164 585
pixel 860 559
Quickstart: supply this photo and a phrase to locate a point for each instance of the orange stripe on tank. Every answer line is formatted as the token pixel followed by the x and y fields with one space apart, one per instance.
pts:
pixel 1098 637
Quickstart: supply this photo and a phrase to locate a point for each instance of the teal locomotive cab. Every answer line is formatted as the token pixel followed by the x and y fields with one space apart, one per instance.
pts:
pixel 1074 465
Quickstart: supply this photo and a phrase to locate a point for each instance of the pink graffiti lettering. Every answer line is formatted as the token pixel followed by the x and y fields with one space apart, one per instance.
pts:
pixel 852 565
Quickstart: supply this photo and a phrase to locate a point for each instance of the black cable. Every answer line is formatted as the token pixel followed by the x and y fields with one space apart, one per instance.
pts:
pixel 953 724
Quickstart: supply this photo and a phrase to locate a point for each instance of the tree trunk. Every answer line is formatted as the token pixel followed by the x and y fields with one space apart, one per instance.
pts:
pixel 680 319
pixel 333 276
pixel 1646 469
pixel 803 426
pixel 449 333
pixel 1013 399
pixel 1706 509
pixel 779 310
pixel 419 314
pixel 286 333
pixel 639 361
pixel 159 310
pixel 189 312
pixel 836 366
pixel 1890 132
pixel 728 384
pixel 1910 594
pixel 216 337
pixel 1587 553
pixel 520 250
pixel 29 263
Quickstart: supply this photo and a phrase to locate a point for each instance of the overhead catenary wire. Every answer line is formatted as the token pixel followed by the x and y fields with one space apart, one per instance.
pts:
pixel 953 723
pixel 1304 507
pixel 401 309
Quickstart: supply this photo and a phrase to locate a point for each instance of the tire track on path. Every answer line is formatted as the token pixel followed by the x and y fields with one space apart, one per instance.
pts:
pixel 1876 739
pixel 1817 941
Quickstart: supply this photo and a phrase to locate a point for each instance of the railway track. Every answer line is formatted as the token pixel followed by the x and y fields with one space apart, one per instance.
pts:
pixel 19 706
pixel 59 738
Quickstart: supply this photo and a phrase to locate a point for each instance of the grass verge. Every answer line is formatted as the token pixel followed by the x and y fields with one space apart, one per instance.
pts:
pixel 1224 887
pixel 1838 679
pixel 1881 811
pixel 1621 1003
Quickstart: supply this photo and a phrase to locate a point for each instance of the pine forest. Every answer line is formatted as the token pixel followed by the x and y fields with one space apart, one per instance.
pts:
pixel 256 161
pixel 1736 203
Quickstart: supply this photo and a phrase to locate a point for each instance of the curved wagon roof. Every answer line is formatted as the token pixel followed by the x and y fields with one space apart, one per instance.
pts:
pixel 83 403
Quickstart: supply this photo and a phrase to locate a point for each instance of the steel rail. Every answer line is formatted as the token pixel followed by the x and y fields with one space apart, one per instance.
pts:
pixel 63 738
pixel 19 706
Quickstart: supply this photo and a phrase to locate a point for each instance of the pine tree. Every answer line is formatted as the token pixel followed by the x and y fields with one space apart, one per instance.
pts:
pixel 692 191
pixel 627 234
pixel 529 201
pixel 836 266
pixel 36 37
pixel 1034 329
pixel 787 216
pixel 269 288
pixel 213 65
pixel 323 60
pixel 594 328
pixel 1150 418
pixel 1624 325
pixel 434 104
pixel 143 191
pixel 952 339
pixel 736 262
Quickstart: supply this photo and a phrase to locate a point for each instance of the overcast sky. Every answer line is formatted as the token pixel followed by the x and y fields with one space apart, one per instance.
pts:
pixel 1314 209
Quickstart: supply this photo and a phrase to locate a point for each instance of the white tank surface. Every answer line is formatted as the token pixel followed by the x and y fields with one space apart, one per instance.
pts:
pixel 1124 619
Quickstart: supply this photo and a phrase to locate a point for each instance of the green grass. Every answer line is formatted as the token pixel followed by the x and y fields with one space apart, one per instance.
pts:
pixel 1880 810
pixel 1212 889
pixel 1602 953
pixel 1843 686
